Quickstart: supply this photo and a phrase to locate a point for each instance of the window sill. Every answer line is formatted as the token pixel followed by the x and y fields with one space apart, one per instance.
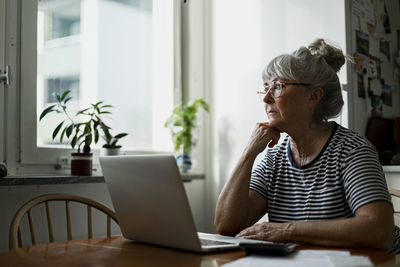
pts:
pixel 57 180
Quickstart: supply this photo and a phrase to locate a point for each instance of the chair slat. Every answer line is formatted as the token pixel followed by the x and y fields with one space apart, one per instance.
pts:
pixel 31 228
pixel 108 225
pixel 394 192
pixel 89 216
pixel 15 239
pixel 69 233
pixel 49 225
pixel 19 237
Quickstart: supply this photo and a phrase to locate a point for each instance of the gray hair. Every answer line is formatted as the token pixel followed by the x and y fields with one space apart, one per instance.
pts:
pixel 318 65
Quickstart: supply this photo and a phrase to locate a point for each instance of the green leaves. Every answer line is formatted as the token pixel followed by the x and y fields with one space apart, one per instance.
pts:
pixel 69 129
pixel 182 122
pixel 46 111
pixel 57 129
pixel 64 95
pixel 83 127
pixel 119 136
pixel 111 141
pixel 107 106
pixel 82 111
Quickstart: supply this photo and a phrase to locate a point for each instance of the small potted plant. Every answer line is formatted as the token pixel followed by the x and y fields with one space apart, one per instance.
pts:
pixel 182 123
pixel 111 147
pixel 82 129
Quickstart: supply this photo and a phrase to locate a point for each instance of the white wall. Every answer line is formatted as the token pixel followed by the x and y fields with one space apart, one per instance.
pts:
pixel 247 36
pixel 225 47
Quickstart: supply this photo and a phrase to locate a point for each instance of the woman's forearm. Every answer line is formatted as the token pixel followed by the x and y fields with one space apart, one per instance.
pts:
pixel 237 207
pixel 356 232
pixel 232 207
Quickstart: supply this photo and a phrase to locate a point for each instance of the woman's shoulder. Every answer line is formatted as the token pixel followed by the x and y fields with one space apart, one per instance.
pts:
pixel 350 140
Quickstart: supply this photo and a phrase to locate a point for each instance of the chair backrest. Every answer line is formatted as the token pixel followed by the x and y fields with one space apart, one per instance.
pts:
pixel 395 193
pixel 15 236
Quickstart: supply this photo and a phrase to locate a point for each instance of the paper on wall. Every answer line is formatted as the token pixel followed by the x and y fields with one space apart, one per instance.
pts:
pixel 376 86
pixel 374 47
pixel 364 9
pixel 371 8
pixel 359 8
pixel 384 49
pixel 364 25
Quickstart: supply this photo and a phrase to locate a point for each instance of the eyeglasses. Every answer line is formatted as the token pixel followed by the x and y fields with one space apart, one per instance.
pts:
pixel 276 88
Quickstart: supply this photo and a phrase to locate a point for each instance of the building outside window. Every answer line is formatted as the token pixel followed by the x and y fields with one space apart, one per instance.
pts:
pixel 116 51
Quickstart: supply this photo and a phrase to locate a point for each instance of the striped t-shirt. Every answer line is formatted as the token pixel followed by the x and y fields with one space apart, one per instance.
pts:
pixel 343 177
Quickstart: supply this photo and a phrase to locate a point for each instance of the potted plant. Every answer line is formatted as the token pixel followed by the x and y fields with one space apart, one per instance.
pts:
pixel 182 123
pixel 111 147
pixel 82 129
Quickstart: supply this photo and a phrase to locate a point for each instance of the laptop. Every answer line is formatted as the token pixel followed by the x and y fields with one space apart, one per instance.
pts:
pixel 151 204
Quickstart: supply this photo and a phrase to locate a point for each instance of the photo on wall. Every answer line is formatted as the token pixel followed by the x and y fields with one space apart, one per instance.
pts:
pixel 360 86
pixel 362 42
pixel 384 48
pixel 387 94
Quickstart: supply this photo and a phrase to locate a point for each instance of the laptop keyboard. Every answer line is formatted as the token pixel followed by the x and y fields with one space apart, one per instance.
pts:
pixel 208 242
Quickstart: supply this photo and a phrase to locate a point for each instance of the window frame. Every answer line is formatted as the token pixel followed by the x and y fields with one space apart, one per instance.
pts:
pixel 11 93
pixel 2 85
pixel 30 153
pixel 32 158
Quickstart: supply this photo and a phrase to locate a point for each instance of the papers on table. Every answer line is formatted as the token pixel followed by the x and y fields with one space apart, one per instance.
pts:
pixel 304 258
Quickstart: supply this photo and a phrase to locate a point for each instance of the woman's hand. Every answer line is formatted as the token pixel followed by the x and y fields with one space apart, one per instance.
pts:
pixel 262 136
pixel 375 218
pixel 266 231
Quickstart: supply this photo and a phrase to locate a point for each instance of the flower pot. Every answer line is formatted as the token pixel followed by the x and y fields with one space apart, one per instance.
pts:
pixel 81 164
pixel 3 170
pixel 184 162
pixel 110 151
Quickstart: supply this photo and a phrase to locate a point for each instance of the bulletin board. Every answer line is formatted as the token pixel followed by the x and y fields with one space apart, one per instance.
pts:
pixel 377 54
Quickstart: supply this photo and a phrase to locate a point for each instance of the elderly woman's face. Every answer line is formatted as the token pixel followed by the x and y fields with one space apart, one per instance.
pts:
pixel 291 105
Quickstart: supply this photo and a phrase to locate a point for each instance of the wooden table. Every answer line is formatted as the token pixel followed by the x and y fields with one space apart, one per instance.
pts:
pixel 116 251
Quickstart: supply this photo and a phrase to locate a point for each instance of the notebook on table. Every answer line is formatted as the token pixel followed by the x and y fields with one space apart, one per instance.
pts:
pixel 151 204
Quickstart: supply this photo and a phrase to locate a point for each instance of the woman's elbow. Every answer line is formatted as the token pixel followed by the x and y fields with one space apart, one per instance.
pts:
pixel 380 236
pixel 385 238
pixel 225 228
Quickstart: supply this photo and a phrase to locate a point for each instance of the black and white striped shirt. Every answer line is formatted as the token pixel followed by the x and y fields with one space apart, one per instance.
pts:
pixel 343 177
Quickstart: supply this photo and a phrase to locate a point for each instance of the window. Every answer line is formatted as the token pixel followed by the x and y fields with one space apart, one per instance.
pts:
pixel 60 85
pixel 59 19
pixel 116 51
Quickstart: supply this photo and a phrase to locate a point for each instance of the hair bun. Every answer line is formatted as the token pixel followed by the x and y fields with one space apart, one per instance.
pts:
pixel 332 55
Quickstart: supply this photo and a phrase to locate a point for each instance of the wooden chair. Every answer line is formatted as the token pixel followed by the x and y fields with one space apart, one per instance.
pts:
pixel 15 237
pixel 395 193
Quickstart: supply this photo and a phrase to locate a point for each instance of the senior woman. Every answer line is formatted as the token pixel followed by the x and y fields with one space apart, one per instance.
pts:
pixel 323 184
